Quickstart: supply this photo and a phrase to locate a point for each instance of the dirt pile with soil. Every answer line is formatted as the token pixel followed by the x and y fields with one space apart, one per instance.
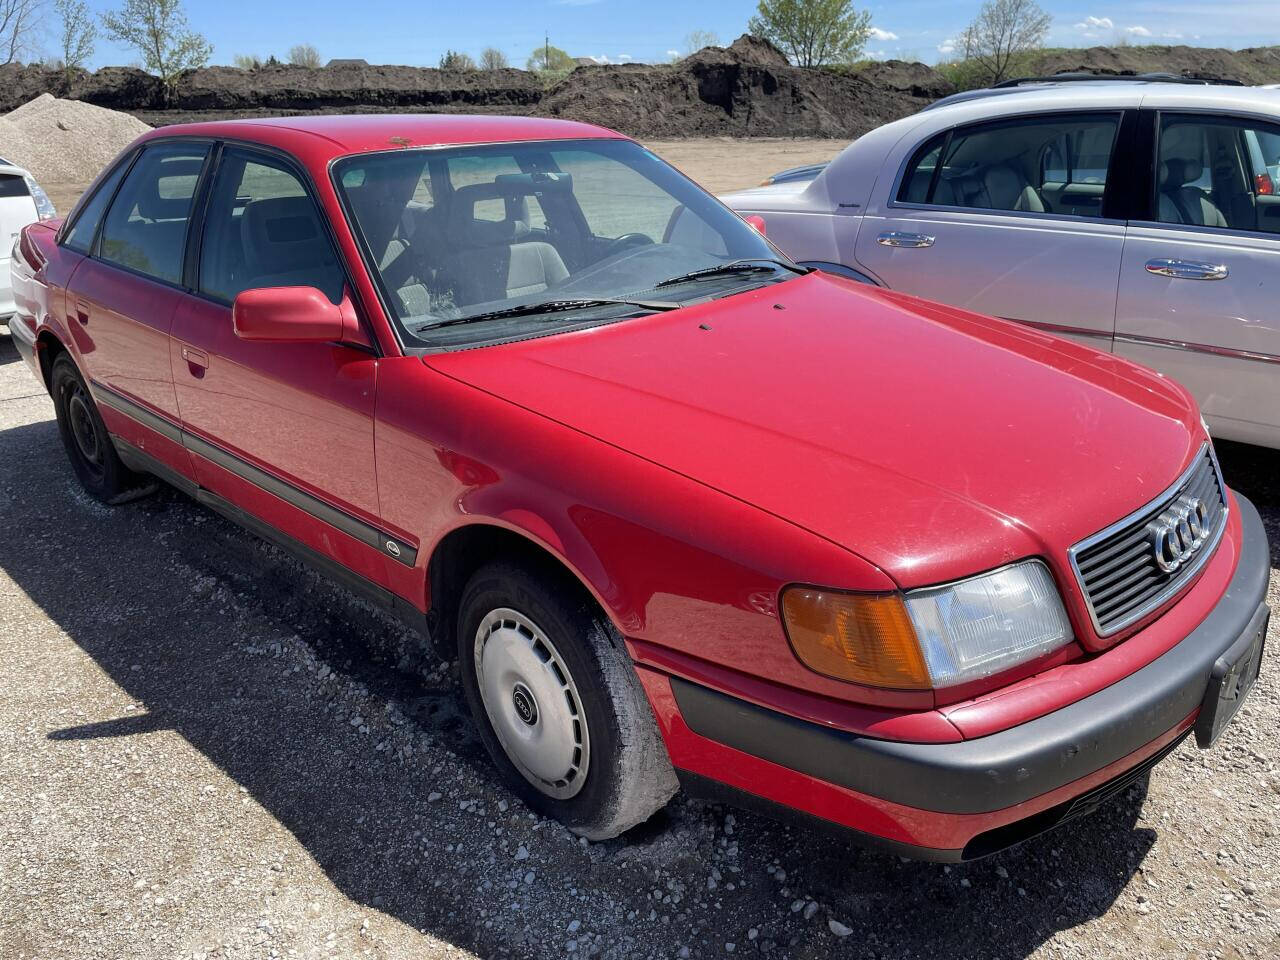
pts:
pixel 1255 65
pixel 65 141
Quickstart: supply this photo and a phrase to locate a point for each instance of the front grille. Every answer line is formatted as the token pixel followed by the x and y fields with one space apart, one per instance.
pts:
pixel 1118 568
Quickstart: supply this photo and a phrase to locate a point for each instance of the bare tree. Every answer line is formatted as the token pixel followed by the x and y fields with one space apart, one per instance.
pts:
pixel 697 40
pixel 247 61
pixel 304 55
pixel 19 20
pixel 78 35
pixel 813 32
pixel 158 30
pixel 454 60
pixel 491 58
pixel 1002 35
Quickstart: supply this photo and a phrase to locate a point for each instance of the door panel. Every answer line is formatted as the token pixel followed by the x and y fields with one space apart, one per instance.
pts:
pixel 1220 338
pixel 1005 218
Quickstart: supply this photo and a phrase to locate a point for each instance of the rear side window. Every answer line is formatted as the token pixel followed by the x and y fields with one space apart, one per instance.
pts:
pixel 13 186
pixel 1219 172
pixel 80 236
pixel 1055 164
pixel 146 228
pixel 263 230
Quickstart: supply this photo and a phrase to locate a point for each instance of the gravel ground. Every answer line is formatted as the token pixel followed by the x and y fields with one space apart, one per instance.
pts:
pixel 207 751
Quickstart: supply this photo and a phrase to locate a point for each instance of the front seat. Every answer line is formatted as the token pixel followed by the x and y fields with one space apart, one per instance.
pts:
pixel 285 246
pixel 1180 202
pixel 1008 190
pixel 491 262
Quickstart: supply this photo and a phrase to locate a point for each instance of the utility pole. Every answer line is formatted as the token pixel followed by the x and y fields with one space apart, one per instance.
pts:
pixel 546 50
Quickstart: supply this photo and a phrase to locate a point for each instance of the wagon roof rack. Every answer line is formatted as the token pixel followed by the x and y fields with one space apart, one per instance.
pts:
pixel 1083 76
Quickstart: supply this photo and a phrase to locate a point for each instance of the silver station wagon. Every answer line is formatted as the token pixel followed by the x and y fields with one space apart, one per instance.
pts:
pixel 1140 216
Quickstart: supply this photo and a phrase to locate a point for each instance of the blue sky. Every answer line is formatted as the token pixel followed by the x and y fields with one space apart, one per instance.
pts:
pixel 394 31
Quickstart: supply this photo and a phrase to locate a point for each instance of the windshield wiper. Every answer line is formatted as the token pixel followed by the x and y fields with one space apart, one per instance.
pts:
pixel 551 306
pixel 745 265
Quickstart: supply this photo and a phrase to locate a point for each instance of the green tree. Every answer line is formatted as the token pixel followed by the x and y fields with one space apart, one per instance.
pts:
pixel 813 32
pixel 1003 35
pixel 549 59
pixel 77 36
pixel 491 58
pixel 453 60
pixel 246 61
pixel 304 55
pixel 158 30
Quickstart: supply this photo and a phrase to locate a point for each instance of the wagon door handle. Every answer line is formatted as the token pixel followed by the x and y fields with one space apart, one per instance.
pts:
pixel 896 238
pixel 197 360
pixel 82 311
pixel 1188 269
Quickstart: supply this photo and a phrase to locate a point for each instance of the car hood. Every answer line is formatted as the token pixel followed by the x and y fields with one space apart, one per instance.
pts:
pixel 932 442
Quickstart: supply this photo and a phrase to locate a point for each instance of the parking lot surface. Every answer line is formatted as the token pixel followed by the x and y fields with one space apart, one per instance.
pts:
pixel 208 751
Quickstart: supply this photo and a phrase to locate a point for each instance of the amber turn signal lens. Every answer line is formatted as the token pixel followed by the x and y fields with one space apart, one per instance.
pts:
pixel 856 637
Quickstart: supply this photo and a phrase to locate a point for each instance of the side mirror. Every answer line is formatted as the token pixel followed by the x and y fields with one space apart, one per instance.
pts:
pixel 756 222
pixel 296 314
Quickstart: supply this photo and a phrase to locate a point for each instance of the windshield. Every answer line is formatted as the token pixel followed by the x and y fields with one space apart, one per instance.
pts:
pixel 467 243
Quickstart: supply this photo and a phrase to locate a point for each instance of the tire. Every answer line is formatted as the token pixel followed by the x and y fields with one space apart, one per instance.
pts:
pixel 558 704
pixel 84 436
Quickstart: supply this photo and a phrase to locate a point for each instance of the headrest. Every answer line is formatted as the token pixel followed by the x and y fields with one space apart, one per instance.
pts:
pixel 282 234
pixel 467 231
pixel 168 197
pixel 1004 186
pixel 1179 171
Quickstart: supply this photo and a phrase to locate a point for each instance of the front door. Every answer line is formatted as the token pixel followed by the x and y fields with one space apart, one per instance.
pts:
pixel 1006 219
pixel 1200 279
pixel 283 431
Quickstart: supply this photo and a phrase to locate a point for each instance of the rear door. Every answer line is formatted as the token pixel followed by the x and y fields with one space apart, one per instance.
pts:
pixel 1200 278
pixel 121 298
pixel 1009 218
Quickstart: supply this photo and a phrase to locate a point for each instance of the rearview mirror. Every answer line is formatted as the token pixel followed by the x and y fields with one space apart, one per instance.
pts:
pixel 297 314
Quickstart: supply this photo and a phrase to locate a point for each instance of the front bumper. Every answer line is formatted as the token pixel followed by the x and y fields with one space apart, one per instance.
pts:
pixel 23 339
pixel 1000 789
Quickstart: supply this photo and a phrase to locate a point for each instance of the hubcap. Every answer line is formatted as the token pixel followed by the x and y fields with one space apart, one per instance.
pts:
pixel 83 429
pixel 532 703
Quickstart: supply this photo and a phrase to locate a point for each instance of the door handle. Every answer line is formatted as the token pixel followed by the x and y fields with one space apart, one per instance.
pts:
pixel 896 238
pixel 1188 269
pixel 196 359
pixel 82 312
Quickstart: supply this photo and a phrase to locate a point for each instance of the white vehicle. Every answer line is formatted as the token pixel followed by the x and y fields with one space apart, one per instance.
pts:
pixel 1140 216
pixel 21 202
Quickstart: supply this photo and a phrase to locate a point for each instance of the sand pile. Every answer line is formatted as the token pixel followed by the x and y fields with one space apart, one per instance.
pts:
pixel 65 141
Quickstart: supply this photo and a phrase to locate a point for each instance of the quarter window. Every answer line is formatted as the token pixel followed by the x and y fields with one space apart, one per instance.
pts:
pixel 80 236
pixel 1218 172
pixel 146 227
pixel 1056 164
pixel 263 230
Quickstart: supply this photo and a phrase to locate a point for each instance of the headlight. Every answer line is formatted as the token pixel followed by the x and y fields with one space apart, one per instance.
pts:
pixel 931 638
pixel 45 209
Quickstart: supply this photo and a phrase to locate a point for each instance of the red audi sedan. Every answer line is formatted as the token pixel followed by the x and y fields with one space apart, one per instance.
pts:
pixel 691 515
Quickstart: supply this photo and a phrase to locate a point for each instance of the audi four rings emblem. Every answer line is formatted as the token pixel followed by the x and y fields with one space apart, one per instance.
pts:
pixel 1179 532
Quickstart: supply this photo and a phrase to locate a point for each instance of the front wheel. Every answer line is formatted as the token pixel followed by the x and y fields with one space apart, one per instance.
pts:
pixel 558 703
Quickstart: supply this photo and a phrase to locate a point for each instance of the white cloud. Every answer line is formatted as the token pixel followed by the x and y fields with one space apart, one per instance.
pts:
pixel 947 46
pixel 878 34
pixel 1090 24
pixel 1137 31
pixel 673 53
pixel 624 57
pixel 875 54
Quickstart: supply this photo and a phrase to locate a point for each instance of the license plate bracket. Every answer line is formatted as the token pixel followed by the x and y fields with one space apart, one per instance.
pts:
pixel 1232 677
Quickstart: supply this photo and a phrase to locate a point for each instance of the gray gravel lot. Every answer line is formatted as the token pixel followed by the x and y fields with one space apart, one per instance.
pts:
pixel 208 751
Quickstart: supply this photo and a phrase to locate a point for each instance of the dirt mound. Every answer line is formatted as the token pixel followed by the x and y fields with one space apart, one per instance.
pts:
pixel 1252 66
pixel 65 141
pixel 745 90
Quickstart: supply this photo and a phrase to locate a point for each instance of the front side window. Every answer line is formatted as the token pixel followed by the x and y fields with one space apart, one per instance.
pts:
pixel 80 236
pixel 1218 172
pixel 485 243
pixel 263 230
pixel 146 227
pixel 1048 164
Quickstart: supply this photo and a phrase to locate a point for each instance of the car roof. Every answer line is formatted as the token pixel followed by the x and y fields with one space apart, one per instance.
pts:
pixel 338 135
pixel 1051 94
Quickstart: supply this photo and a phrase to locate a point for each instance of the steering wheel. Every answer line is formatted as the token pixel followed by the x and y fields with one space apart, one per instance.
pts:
pixel 628 240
